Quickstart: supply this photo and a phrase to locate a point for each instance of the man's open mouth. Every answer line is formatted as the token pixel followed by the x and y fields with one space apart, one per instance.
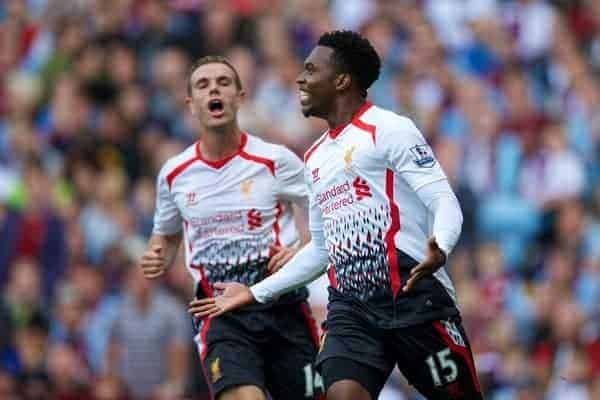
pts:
pixel 304 97
pixel 216 107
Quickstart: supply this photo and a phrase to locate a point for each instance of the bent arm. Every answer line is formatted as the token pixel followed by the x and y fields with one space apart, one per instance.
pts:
pixel 169 244
pixel 439 198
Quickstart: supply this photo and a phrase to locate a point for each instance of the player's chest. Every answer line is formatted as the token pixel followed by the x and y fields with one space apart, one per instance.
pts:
pixel 339 161
pixel 206 192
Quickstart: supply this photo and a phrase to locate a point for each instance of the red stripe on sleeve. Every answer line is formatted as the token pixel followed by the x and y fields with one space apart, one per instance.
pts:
pixel 178 170
pixel 365 127
pixel 332 278
pixel 389 236
pixel 270 164
pixel 276 227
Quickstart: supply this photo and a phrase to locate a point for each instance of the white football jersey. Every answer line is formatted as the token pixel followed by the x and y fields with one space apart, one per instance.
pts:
pixel 231 210
pixel 362 180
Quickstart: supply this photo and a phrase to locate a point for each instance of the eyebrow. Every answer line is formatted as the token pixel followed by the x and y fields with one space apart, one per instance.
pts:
pixel 218 78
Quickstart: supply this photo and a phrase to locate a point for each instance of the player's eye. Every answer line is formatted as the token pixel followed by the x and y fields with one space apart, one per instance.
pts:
pixel 224 81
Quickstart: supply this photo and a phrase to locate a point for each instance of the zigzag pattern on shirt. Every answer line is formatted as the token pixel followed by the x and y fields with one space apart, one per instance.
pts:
pixel 357 250
pixel 241 260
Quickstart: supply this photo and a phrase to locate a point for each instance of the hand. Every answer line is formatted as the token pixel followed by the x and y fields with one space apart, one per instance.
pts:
pixel 153 262
pixel 234 295
pixel 281 255
pixel 434 260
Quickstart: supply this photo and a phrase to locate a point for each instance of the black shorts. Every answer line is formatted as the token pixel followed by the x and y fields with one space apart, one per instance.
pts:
pixel 434 357
pixel 273 349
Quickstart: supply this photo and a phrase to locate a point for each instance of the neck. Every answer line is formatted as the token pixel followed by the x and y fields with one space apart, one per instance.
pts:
pixel 217 144
pixel 344 108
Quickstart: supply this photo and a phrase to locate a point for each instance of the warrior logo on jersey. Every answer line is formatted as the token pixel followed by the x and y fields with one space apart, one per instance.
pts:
pixel 422 156
pixel 348 157
pixel 246 188
pixel 191 198
pixel 315 175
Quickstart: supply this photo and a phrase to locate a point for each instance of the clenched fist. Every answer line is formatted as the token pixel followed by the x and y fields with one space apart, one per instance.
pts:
pixel 153 262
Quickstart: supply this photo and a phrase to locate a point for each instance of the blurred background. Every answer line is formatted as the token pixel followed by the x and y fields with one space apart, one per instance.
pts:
pixel 92 103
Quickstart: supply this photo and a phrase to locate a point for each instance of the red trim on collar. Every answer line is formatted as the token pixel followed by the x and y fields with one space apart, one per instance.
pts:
pixel 312 148
pixel 220 163
pixel 333 133
pixel 270 164
pixel 365 127
pixel 179 169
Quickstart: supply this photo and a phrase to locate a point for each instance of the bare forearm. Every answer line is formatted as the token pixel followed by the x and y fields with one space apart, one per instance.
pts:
pixel 178 362
pixel 170 244
pixel 112 359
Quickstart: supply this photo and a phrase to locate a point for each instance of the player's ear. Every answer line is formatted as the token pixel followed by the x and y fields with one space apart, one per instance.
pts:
pixel 242 95
pixel 190 105
pixel 343 81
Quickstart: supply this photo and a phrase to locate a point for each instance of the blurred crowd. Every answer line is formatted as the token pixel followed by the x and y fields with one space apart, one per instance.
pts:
pixel 92 102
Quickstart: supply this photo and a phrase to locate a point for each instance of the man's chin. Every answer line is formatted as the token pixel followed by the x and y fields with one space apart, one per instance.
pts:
pixel 216 123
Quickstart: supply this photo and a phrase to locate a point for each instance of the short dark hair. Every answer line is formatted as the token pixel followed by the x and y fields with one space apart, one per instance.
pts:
pixel 354 54
pixel 213 59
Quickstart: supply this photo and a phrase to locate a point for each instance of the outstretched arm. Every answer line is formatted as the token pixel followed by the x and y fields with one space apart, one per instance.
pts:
pixel 306 266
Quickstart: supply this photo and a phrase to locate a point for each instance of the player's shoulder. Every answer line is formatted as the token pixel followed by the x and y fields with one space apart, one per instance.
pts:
pixel 176 161
pixel 276 153
pixel 273 151
pixel 259 146
pixel 387 121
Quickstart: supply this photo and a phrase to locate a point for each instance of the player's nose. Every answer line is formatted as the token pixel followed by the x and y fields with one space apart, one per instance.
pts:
pixel 213 88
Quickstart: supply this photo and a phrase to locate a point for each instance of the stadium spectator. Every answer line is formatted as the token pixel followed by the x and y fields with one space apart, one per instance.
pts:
pixel 506 91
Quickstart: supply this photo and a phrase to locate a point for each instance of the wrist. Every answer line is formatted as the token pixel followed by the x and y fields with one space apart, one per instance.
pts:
pixel 443 255
pixel 298 245
pixel 254 295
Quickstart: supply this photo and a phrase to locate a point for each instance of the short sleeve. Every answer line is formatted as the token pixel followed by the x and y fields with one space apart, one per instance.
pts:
pixel 167 219
pixel 290 178
pixel 409 155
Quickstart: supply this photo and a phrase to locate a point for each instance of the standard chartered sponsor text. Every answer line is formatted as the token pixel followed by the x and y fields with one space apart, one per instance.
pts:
pixel 221 218
pixel 336 197
pixel 332 192
pixel 221 230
